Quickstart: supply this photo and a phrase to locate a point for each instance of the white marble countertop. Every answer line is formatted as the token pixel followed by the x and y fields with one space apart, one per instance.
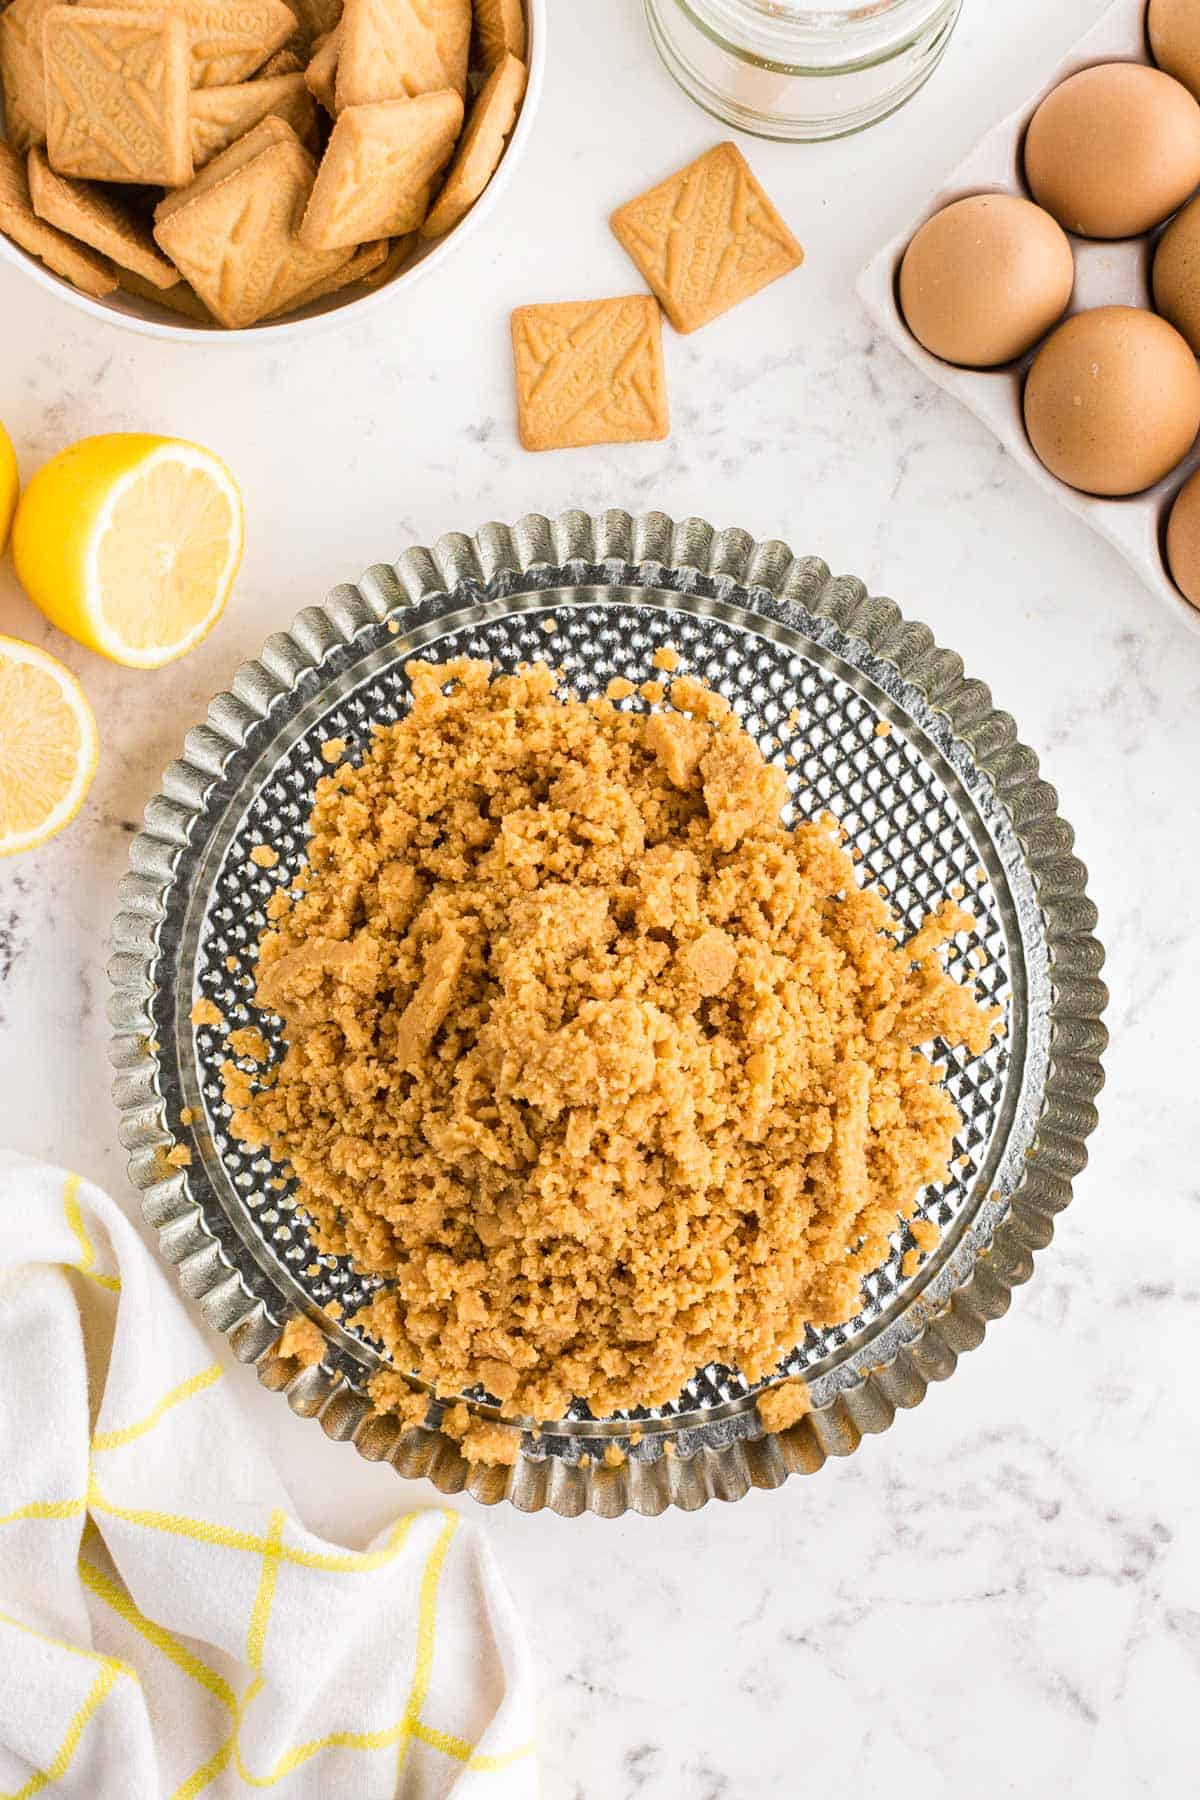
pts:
pixel 1002 1595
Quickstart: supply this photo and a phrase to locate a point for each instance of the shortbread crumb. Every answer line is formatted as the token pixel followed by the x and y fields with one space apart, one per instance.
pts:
pixel 303 1340
pixel 607 1072
pixel 782 1406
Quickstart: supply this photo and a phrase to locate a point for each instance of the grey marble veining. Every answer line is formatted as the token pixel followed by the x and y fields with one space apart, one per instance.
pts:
pixel 1002 1595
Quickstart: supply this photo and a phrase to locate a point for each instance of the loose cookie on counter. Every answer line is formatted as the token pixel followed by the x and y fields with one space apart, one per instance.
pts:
pixel 706 238
pixel 590 372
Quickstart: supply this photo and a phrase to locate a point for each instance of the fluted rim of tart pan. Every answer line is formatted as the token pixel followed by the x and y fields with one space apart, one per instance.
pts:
pixel 681 1459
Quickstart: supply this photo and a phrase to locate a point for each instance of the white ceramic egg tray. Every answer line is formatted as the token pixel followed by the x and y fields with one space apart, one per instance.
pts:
pixel 1106 274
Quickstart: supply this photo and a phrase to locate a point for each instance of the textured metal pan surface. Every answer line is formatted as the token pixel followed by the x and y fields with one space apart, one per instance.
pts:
pixel 875 724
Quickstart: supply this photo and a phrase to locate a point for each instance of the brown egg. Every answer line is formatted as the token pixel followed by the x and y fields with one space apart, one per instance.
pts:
pixel 1174 28
pixel 1183 540
pixel 1176 275
pixel 1112 401
pixel 984 279
pixel 1113 150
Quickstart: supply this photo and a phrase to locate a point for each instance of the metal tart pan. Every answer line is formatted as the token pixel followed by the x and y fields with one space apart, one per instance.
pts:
pixel 874 722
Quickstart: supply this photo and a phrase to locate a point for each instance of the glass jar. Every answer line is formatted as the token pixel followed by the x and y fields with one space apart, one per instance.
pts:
pixel 782 69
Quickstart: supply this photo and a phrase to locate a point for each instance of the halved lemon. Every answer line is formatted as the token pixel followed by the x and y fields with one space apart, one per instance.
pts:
pixel 10 486
pixel 48 746
pixel 129 543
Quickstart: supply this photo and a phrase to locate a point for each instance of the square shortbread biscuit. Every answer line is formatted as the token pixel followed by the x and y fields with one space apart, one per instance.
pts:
pixel 236 240
pixel 117 95
pixel 590 372
pixel 90 273
pixel 706 238
pixel 393 49
pixel 96 218
pixel 377 172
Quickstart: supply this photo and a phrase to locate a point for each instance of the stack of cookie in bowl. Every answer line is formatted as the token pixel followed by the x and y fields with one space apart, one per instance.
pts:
pixel 234 164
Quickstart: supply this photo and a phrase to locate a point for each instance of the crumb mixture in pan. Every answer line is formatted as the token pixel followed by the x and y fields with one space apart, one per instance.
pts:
pixel 606 1071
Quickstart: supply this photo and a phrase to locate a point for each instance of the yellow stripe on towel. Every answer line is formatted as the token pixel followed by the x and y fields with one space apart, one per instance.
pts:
pixel 195 1384
pixel 87 1250
pixel 114 1596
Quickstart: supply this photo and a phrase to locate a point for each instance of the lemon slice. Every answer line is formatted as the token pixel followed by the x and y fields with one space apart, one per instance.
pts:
pixel 48 746
pixel 9 486
pixel 129 543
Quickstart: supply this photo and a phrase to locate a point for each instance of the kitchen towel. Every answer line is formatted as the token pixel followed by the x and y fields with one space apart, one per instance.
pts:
pixel 167 1627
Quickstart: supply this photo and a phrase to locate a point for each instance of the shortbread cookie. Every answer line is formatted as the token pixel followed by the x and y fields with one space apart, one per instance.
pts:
pixel 398 254
pixel 364 262
pixel 321 73
pixel 499 31
pixel 378 170
pixel 228 42
pixel 180 299
pixel 590 372
pixel 93 217
pixel 221 115
pixel 236 242
pixel 117 94
pixel 396 49
pixel 85 270
pixel 268 131
pixel 706 238
pixel 23 72
pixel 481 148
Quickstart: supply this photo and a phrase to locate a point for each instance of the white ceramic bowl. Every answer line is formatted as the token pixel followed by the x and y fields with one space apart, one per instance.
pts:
pixel 138 315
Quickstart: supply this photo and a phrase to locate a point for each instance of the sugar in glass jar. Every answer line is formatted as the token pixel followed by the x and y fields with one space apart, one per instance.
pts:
pixel 783 69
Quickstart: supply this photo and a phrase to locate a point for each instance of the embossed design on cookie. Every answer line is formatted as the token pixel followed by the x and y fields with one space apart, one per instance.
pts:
pixel 391 49
pixel 236 240
pixel 590 372
pixel 229 39
pixel 706 238
pixel 117 95
pixel 376 175
pixel 231 42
